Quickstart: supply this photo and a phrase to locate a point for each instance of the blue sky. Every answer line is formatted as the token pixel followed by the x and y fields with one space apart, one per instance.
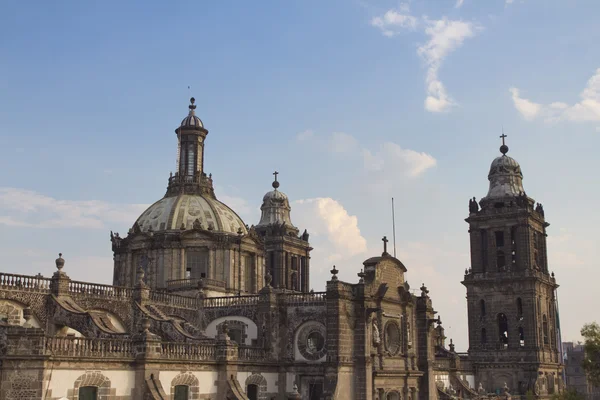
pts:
pixel 353 102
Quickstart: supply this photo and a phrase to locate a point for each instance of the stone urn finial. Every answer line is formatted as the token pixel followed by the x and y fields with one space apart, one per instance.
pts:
pixel 146 324
pixel 60 262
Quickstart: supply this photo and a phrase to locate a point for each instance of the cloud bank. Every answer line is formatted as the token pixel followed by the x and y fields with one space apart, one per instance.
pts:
pixel 586 110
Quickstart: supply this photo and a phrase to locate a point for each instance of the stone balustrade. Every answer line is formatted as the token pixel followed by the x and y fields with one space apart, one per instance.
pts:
pixel 89 347
pixel 246 353
pixel 188 351
pixel 304 298
pixel 230 301
pixel 191 284
pixel 97 290
pixel 24 282
pixel 173 300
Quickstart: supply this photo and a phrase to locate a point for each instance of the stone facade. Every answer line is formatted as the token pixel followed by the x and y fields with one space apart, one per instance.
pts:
pixel 214 309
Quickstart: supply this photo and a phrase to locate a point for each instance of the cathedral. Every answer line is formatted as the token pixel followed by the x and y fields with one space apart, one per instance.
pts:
pixel 205 306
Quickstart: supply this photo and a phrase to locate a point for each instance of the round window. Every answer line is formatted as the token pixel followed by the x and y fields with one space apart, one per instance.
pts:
pixel 315 342
pixel 311 341
pixel 392 337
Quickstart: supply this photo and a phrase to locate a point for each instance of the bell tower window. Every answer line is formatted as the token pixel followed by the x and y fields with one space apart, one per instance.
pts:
pixel 503 329
pixel 482 308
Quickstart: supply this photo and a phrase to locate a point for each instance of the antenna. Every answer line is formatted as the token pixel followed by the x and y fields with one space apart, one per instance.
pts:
pixel 394 227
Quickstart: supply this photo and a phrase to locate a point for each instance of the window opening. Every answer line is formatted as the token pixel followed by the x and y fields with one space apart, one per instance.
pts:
pixel 181 392
pixel 545 329
pixel 520 309
pixel 499 239
pixel 315 391
pixel 482 308
pixel 252 392
pixel 503 329
pixel 88 393
pixel 483 336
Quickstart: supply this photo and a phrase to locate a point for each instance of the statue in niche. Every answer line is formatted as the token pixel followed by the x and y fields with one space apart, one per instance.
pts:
pixel 197 224
pixel 376 336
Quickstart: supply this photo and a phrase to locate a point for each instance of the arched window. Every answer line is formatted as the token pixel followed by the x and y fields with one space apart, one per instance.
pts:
pixel 483 336
pixel 545 329
pixel 519 308
pixel 182 392
pixel 503 329
pixel 521 337
pixel 88 393
pixel 482 308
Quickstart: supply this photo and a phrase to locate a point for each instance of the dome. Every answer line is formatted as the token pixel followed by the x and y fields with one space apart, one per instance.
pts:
pixel 506 178
pixel 275 208
pixel 192 121
pixel 173 212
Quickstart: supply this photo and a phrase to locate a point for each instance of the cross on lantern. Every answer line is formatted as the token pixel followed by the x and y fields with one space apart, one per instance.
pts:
pixel 502 137
pixel 275 173
pixel 385 242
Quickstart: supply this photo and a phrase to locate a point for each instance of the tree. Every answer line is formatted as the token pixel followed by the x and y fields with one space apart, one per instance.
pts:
pixel 591 347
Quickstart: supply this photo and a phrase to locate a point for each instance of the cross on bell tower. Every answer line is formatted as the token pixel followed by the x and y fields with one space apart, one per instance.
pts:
pixel 385 242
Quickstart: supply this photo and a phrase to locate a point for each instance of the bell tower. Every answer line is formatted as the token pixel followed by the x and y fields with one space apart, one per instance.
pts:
pixel 511 296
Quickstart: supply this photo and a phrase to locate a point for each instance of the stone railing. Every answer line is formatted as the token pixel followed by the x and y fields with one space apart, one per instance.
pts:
pixel 246 353
pixel 20 282
pixel 304 298
pixel 191 284
pixel 188 351
pixel 230 301
pixel 86 347
pixel 94 289
pixel 173 300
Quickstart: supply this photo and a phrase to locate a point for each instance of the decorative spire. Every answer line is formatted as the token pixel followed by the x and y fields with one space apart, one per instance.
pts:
pixel 275 183
pixel 504 147
pixel 192 106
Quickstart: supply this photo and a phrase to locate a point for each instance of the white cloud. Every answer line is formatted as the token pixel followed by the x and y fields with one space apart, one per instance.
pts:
pixel 394 21
pixel 459 3
pixel 21 207
pixel 395 159
pixel 445 36
pixel 586 110
pixel 528 109
pixel 327 218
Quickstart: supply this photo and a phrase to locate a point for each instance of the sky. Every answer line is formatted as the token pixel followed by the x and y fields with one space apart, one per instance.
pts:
pixel 352 101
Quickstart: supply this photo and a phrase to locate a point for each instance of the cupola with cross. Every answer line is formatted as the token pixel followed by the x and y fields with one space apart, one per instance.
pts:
pixel 287 252
pixel 510 292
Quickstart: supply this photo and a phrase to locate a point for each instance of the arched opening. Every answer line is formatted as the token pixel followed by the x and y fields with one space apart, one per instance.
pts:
pixel 483 336
pixel 519 308
pixel 393 396
pixel 521 337
pixel 88 393
pixel 500 261
pixel 182 392
pixel 545 329
pixel 482 308
pixel 503 329
pixel 252 392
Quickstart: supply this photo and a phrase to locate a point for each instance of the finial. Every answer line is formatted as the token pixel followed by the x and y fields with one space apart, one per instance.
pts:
pixel 334 272
pixel 385 242
pixel 361 275
pixel 275 183
pixel 192 106
pixel 504 147
pixel 60 262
